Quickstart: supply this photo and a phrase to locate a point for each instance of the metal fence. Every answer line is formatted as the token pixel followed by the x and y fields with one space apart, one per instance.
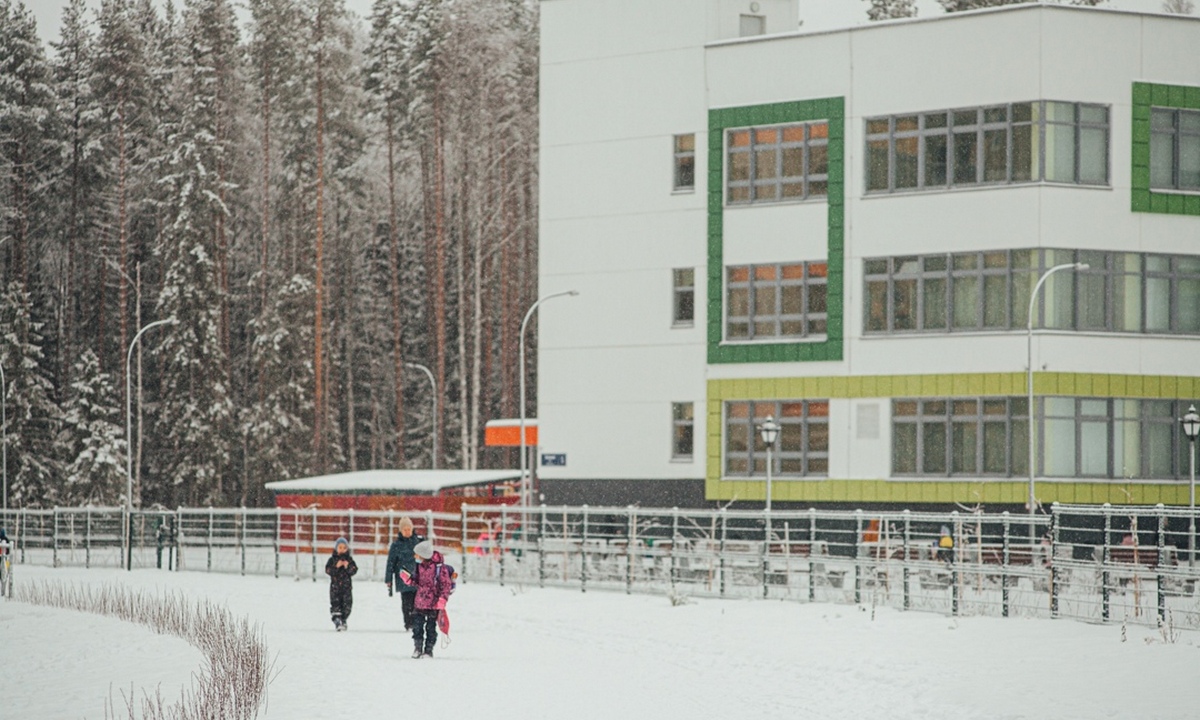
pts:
pixel 1094 563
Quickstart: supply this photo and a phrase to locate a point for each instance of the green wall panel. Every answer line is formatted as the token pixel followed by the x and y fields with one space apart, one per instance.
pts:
pixel 720 119
pixel 1142 198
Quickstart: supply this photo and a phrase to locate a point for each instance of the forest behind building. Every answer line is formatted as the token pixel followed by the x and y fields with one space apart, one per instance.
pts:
pixel 314 204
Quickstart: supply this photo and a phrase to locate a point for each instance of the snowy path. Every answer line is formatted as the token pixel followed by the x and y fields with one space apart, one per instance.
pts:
pixel 525 652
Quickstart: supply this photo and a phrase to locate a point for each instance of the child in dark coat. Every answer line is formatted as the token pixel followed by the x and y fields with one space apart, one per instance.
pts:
pixel 434 580
pixel 340 567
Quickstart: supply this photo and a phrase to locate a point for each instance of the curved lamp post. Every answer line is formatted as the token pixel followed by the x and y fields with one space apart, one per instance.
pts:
pixel 433 393
pixel 129 442
pixel 526 486
pixel 1191 428
pixel 1029 377
pixel 770 432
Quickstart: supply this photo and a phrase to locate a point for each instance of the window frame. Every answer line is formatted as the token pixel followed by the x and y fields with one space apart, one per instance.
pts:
pixel 678 291
pixel 815 275
pixel 683 421
pixel 680 158
pixel 1108 266
pixel 807 179
pixel 814 413
pixel 945 420
pixel 979 130
pixel 1177 136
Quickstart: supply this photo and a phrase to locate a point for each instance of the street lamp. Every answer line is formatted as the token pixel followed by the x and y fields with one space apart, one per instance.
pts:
pixel 1029 376
pixel 433 384
pixel 1191 428
pixel 526 488
pixel 129 442
pixel 770 431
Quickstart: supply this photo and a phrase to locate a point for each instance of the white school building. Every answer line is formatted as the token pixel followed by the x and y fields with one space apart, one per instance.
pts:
pixel 843 231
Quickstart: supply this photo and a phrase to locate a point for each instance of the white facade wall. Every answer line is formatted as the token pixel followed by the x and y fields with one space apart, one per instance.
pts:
pixel 620 77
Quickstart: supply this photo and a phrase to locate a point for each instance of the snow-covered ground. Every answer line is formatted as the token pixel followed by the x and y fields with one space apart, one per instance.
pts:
pixel 532 653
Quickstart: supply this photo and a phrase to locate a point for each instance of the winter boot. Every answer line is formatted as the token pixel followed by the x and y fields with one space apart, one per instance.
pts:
pixel 417 654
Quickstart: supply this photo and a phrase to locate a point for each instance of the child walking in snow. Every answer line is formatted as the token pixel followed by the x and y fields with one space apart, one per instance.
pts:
pixel 435 581
pixel 340 567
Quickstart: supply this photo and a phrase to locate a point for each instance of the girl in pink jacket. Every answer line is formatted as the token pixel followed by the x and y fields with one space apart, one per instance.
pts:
pixel 435 581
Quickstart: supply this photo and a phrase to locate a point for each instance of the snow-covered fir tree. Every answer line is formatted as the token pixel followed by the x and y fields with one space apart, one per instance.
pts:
pixel 34 470
pixel 92 434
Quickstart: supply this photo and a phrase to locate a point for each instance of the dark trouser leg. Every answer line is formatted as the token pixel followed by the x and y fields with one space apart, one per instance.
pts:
pixel 341 600
pixel 418 630
pixel 428 618
pixel 407 600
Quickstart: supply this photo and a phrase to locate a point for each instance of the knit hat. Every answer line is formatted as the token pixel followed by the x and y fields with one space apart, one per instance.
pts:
pixel 341 541
pixel 423 549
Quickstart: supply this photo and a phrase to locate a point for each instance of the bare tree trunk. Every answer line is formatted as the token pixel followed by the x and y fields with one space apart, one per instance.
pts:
pixel 439 255
pixel 122 246
pixel 397 326
pixel 318 334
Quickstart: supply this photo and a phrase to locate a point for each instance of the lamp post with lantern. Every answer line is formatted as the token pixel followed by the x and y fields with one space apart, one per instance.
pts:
pixel 770 432
pixel 1191 428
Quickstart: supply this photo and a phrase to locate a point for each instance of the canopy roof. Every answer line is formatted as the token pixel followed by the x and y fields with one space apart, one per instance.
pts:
pixel 397 481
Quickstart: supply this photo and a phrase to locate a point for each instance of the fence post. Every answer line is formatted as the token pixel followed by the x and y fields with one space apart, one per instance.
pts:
pixel 22 522
pixel 1004 559
pixel 721 554
pixel 178 539
pixel 766 549
pixel 541 545
pixel 907 558
pixel 1054 529
pixel 462 523
pixel 87 538
pixel 955 552
pixel 54 537
pixel 278 533
pixel 858 533
pixel 631 538
pixel 242 538
pixel 209 540
pixel 1162 558
pixel 1105 594
pixel 812 545
pixel 583 554
pixel 500 538
pixel 674 544
pixel 312 546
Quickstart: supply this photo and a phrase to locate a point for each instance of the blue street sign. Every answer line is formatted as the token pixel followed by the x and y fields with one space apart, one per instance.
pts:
pixel 554 460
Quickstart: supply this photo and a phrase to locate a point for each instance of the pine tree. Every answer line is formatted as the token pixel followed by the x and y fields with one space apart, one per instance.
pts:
pixel 1179 7
pixel 196 410
pixel 891 9
pixel 93 436
pixel 33 417
pixel 960 5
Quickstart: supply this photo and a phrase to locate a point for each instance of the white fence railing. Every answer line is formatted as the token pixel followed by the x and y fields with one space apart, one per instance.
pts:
pixel 1103 564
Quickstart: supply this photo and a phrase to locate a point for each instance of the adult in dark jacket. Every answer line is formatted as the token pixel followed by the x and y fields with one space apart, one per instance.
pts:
pixel 402 568
pixel 434 581
pixel 340 567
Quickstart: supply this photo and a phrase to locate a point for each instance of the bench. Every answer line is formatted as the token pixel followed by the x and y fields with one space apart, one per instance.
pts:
pixel 1145 556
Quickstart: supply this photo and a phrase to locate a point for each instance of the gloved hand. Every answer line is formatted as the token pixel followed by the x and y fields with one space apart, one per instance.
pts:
pixel 441 604
pixel 389 589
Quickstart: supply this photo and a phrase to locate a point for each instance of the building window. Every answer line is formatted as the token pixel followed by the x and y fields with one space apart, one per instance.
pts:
pixel 684 305
pixel 775 302
pixel 778 163
pixel 682 430
pixel 989 291
pixel 685 162
pixel 751 25
pixel 1114 438
pixel 960 436
pixel 1111 438
pixel 1174 149
pixel 802 449
pixel 996 144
